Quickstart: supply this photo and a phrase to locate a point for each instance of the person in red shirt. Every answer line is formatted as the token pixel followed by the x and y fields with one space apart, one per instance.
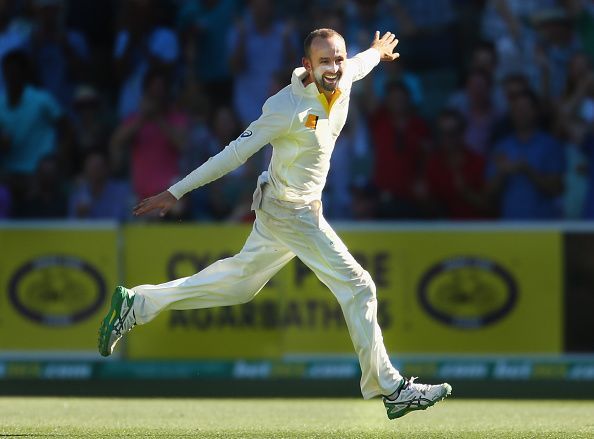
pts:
pixel 155 136
pixel 454 174
pixel 400 138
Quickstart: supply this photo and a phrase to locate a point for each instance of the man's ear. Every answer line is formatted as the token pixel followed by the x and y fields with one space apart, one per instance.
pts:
pixel 306 63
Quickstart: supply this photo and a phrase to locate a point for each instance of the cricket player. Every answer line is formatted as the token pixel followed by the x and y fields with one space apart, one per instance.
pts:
pixel 301 122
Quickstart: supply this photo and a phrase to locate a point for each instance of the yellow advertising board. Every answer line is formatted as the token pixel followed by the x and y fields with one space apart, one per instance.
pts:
pixel 158 253
pixel 439 292
pixel 54 284
pixel 454 292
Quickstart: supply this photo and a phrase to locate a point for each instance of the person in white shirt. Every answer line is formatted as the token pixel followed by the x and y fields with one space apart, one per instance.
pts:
pixel 301 122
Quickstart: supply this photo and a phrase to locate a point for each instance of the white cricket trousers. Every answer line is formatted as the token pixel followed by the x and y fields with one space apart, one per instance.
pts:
pixel 282 231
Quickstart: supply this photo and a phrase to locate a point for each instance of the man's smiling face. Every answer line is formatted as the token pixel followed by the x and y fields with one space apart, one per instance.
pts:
pixel 326 61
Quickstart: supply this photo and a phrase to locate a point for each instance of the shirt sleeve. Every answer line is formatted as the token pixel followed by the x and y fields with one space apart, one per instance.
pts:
pixel 363 63
pixel 269 126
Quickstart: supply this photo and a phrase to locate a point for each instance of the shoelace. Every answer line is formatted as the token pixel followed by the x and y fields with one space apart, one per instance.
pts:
pixel 418 387
pixel 124 325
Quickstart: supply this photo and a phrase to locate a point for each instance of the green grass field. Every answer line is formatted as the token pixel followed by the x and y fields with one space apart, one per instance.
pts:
pixel 289 418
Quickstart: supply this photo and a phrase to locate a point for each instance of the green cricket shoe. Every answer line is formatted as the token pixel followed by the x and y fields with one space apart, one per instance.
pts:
pixel 119 320
pixel 414 396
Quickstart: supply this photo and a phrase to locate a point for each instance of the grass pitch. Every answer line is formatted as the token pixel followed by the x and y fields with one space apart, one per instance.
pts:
pixel 289 418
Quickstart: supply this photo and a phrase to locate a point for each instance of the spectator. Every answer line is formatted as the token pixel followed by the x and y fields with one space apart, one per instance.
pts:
pixel 154 138
pixel 141 44
pixel 400 138
pixel 97 196
pixel 45 197
pixel 204 25
pixel 256 34
pixel 454 172
pixel 524 173
pixel 30 119
pixel 541 52
pixel 475 102
pixel 582 14
pixel 200 142
pixel 398 72
pixel 574 118
pixel 91 125
pixel 363 18
pixel 576 107
pixel 556 44
pixel 510 18
pixel 231 197
pixel 506 23
pixel 429 28
pixel 511 86
pixel 372 92
pixel 484 57
pixel 97 21
pixel 348 167
pixel 524 45
pixel 60 55
pixel 14 32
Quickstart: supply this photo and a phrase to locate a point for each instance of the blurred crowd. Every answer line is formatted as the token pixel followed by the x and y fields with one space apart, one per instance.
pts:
pixel 488 113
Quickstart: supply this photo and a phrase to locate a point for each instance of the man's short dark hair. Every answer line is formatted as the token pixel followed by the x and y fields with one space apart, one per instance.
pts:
pixel 321 33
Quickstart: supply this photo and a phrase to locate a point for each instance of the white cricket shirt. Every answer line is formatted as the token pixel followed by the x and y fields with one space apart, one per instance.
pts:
pixel 302 128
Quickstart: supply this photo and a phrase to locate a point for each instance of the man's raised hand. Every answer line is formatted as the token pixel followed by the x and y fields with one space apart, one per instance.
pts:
pixel 385 46
pixel 163 201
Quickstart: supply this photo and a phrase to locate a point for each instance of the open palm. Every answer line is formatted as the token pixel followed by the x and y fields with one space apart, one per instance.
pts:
pixel 385 46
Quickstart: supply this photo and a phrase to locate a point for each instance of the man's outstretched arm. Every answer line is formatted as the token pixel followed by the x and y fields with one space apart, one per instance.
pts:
pixel 382 49
pixel 271 125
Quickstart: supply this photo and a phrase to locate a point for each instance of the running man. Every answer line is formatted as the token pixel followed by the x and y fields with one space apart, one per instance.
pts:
pixel 301 122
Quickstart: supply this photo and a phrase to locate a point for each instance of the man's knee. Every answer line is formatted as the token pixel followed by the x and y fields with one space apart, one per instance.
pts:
pixel 369 285
pixel 245 296
pixel 361 288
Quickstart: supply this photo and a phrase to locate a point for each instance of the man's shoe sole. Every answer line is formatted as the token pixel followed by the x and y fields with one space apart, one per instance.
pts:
pixel 106 328
pixel 400 414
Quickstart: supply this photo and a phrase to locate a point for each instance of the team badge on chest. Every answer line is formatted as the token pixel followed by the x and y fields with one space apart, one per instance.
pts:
pixel 311 121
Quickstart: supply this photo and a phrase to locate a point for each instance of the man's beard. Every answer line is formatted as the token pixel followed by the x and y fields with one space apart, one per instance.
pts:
pixel 323 83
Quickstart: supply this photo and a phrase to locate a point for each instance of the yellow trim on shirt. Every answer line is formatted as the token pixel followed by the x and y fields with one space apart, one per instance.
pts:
pixel 328 105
